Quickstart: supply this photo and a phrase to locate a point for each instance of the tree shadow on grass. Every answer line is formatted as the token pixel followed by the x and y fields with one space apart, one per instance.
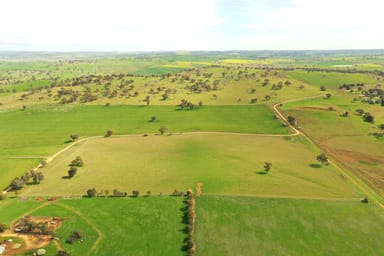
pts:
pixel 68 141
pixel 261 173
pixel 65 177
pixel 315 165
pixel 185 230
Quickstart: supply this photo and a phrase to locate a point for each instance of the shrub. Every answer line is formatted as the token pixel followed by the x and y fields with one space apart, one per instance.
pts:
pixel 91 192
pixel 135 193
pixel 3 227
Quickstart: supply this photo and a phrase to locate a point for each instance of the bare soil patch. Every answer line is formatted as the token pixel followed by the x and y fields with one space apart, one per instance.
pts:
pixel 32 240
pixel 370 168
pixel 312 108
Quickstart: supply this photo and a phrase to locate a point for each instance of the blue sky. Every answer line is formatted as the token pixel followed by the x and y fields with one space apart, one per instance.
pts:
pixel 153 25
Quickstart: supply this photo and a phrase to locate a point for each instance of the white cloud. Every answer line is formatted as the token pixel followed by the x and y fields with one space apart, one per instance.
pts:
pixel 329 15
pixel 107 25
pixel 313 24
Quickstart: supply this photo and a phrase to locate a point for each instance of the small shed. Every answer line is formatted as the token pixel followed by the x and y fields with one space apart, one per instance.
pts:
pixel 2 249
pixel 41 252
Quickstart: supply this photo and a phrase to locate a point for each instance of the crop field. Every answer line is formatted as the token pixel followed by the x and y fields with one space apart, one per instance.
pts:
pixel 243 131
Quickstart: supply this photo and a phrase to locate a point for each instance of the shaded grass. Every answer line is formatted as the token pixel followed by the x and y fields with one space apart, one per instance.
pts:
pixel 250 226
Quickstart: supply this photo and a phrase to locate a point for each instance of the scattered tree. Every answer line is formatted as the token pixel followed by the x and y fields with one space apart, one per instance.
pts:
pixel 153 119
pixel 78 161
pixel 62 253
pixel 323 88
pixel 360 112
pixel 91 192
pixel 267 166
pixel 17 184
pixel 322 158
pixel 367 117
pixel 3 227
pixel 72 171
pixel 74 137
pixel 162 129
pixel 328 95
pixel 108 134
pixel 381 127
pixel 135 193
pixel 292 121
pixel 37 177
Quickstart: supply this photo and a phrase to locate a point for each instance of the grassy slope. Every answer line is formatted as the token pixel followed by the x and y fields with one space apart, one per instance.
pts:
pixel 226 164
pixel 248 226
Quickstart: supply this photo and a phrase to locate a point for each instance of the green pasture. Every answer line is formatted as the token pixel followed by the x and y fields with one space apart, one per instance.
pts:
pixel 42 130
pixel 331 79
pixel 225 164
pixel 112 226
pixel 264 226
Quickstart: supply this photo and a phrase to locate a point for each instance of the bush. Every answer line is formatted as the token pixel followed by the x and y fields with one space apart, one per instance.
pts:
pixel 62 253
pixel 3 227
pixel 72 172
pixel 135 193
pixel 77 162
pixel 91 192
pixel 177 193
pixel 108 134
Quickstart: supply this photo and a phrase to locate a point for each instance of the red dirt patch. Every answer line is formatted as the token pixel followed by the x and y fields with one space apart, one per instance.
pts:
pixel 32 240
pixel 369 168
pixel 312 108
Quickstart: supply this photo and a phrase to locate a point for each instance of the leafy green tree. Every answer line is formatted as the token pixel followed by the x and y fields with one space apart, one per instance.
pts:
pixel 108 134
pixel 360 111
pixel 91 192
pixel 323 88
pixel 267 166
pixel 322 158
pixel 135 193
pixel 162 129
pixel 381 127
pixel 17 184
pixel 72 171
pixel 78 161
pixel 367 117
pixel 62 253
pixel 37 177
pixel 74 137
pixel 3 227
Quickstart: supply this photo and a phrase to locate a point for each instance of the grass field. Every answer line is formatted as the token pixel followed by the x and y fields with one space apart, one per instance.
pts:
pixel 249 226
pixel 11 168
pixel 299 208
pixel 225 164
pixel 45 128
pixel 138 226
pixel 346 139
pixel 331 79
